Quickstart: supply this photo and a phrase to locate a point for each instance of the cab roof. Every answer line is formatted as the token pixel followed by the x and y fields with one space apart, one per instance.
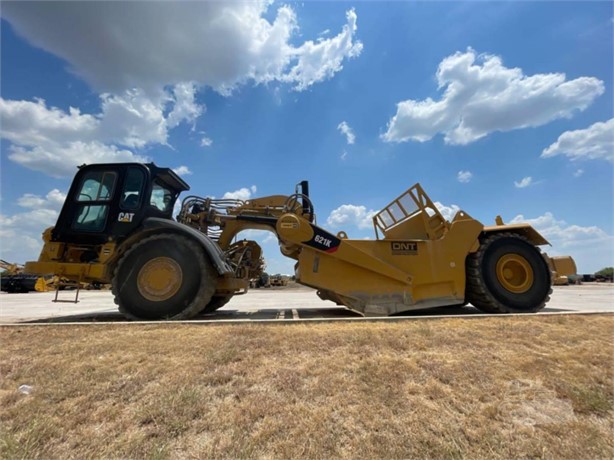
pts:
pixel 166 175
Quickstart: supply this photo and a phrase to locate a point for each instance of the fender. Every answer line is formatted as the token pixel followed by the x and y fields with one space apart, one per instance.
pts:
pixel 211 247
pixel 523 229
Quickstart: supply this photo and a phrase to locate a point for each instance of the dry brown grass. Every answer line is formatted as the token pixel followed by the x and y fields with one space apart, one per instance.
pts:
pixel 449 388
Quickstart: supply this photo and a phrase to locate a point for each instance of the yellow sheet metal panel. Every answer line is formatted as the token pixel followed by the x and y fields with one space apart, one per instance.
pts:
pixel 107 252
pixel 272 201
pixel 521 229
pixel 227 285
pixel 564 265
pixel 73 271
pixel 52 251
pixel 386 276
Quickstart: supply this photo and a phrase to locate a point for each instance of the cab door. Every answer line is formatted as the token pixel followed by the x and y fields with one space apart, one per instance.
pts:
pixel 93 201
pixel 104 201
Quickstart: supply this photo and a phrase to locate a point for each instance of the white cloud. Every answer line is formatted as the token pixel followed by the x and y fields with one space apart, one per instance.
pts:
pixel 321 60
pixel 30 201
pixel 578 173
pixel 54 142
pixel 277 96
pixel 241 194
pixel 21 233
pixel 482 96
pixel 360 217
pixel 344 155
pixel 524 182
pixel 594 142
pixel 448 212
pixel 464 176
pixel 182 171
pixel 349 214
pixel 133 119
pixel 119 46
pixel 32 123
pixel 53 200
pixel 591 247
pixel 561 232
pixel 185 107
pixel 150 74
pixel 345 129
pixel 262 237
pixel 61 160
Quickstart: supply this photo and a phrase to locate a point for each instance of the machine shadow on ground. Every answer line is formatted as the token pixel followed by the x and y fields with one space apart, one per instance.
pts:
pixel 274 314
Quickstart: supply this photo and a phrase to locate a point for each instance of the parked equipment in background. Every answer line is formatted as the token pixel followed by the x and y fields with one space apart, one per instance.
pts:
pixel 264 281
pixel 561 267
pixel 116 227
pixel 13 279
pixel 279 280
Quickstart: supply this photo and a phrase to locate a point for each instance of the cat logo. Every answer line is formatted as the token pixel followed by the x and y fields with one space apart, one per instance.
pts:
pixel 404 248
pixel 125 217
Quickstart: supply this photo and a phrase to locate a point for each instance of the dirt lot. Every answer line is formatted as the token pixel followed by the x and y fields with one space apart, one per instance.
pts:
pixel 506 387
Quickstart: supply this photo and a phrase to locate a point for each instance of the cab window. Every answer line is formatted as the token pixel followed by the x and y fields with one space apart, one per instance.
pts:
pixel 97 186
pixel 162 197
pixel 133 189
pixel 92 201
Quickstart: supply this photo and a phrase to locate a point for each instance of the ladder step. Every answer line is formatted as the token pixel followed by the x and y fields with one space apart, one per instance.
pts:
pixel 66 284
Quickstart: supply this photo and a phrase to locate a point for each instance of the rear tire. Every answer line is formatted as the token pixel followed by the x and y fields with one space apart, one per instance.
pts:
pixel 216 303
pixel 164 276
pixel 507 275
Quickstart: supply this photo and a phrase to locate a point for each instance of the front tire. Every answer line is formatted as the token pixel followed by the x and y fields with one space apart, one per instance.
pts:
pixel 163 276
pixel 507 275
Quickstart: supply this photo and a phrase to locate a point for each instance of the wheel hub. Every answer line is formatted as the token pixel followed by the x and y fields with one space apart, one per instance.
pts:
pixel 159 279
pixel 514 273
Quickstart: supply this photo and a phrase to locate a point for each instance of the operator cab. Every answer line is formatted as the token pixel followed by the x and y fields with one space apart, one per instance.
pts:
pixel 109 201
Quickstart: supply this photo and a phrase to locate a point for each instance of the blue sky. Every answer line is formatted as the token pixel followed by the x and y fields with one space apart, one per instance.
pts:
pixel 495 107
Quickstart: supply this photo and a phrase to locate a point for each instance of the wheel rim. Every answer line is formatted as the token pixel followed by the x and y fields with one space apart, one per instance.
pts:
pixel 159 279
pixel 514 273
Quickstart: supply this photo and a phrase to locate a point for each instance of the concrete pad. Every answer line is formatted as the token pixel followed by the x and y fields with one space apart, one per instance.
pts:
pixel 289 303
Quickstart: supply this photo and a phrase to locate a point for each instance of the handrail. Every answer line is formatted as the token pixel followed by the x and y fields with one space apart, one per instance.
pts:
pixel 413 201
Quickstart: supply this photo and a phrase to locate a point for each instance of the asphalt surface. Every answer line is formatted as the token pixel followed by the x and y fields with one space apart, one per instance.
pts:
pixel 291 303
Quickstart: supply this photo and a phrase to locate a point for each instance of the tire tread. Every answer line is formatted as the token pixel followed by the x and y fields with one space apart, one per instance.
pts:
pixel 476 291
pixel 207 283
